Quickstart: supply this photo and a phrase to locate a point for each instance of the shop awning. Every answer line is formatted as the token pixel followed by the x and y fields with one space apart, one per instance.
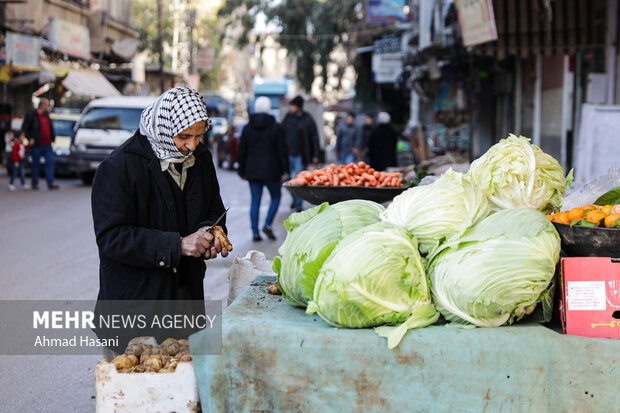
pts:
pixel 89 83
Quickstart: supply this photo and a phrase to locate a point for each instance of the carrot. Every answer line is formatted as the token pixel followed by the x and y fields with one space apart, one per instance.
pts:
pixel 336 180
pixel 369 178
pixel 306 174
pixel 361 164
pixel 298 181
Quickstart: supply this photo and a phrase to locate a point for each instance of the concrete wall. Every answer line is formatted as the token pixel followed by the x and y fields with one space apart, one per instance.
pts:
pixel 42 11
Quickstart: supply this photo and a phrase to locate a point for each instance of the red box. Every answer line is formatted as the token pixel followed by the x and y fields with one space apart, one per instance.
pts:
pixel 590 296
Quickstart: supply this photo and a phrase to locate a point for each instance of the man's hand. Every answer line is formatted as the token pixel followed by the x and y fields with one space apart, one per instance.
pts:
pixel 17 164
pixel 284 177
pixel 31 142
pixel 315 160
pixel 202 244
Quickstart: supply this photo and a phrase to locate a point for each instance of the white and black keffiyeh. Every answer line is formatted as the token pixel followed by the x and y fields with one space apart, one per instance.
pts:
pixel 174 111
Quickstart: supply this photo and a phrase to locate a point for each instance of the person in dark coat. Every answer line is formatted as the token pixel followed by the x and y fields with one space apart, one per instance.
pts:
pixel 302 140
pixel 382 144
pixel 346 140
pixel 151 199
pixel 364 137
pixel 39 130
pixel 263 161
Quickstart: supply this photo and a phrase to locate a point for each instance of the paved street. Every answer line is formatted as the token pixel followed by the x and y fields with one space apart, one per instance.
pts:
pixel 48 251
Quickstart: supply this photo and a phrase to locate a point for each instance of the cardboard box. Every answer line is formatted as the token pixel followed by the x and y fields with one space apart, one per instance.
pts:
pixel 590 296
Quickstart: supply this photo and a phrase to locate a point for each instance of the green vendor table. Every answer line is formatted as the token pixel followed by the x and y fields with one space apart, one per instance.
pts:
pixel 275 358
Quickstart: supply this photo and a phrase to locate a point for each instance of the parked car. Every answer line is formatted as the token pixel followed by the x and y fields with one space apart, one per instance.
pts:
pixel 228 144
pixel 64 121
pixel 103 126
pixel 219 126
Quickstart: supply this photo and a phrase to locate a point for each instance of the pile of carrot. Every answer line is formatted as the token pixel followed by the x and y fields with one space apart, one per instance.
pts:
pixel 353 174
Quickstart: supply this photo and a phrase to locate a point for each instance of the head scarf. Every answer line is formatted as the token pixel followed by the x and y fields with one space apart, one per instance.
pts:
pixel 174 111
pixel 384 118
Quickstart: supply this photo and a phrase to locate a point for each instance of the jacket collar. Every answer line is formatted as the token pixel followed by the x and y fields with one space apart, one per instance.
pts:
pixel 138 144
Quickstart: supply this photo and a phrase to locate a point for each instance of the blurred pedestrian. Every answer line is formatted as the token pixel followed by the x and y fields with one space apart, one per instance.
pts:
pixel 17 155
pixel 151 201
pixel 363 137
pixel 263 161
pixel 346 139
pixel 382 144
pixel 39 130
pixel 302 140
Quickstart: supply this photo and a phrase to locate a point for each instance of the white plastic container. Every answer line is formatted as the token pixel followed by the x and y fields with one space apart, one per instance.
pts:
pixel 146 392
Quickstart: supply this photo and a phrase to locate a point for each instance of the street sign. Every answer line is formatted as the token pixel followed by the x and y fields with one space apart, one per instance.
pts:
pixel 477 21
pixel 205 58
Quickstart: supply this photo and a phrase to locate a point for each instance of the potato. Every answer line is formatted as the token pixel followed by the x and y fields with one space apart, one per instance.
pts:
pixel 122 362
pixel 183 342
pixel 134 359
pixel 186 358
pixel 140 368
pixel 153 364
pixel 125 370
pixel 170 346
pixel 183 353
pixel 135 349
pixel 145 357
pixel 150 340
pixel 170 369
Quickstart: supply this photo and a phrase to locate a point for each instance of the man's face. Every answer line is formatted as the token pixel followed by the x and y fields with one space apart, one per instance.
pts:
pixel 188 140
pixel 350 120
pixel 293 110
pixel 45 106
pixel 368 121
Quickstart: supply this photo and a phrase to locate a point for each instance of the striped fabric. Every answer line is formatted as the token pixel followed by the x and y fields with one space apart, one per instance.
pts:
pixel 174 111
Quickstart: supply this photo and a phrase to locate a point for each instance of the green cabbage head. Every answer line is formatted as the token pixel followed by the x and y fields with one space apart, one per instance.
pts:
pixel 498 271
pixel 375 277
pixel 312 235
pixel 443 210
pixel 514 174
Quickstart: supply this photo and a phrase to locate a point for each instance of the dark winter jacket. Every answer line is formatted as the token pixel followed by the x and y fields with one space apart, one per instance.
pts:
pixel 32 128
pixel 306 138
pixel 262 151
pixel 137 225
pixel 346 138
pixel 382 147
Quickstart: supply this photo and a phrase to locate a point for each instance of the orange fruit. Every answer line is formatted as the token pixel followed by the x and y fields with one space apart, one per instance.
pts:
pixel 550 217
pixel 562 218
pixel 606 209
pixel 590 207
pixel 576 213
pixel 615 209
pixel 595 217
pixel 612 220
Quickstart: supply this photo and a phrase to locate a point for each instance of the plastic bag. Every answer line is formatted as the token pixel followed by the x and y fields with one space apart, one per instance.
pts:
pixel 244 270
pixel 588 193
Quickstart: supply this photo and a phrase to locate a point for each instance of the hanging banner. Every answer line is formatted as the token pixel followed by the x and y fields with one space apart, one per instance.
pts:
pixel 205 59
pixel 70 38
pixel 23 52
pixel 386 67
pixel 386 11
pixel 477 21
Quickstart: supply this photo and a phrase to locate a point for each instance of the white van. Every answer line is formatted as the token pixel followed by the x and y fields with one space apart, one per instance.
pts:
pixel 103 126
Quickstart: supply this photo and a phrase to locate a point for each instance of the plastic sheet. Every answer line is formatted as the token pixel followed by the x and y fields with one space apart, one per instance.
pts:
pixel 277 359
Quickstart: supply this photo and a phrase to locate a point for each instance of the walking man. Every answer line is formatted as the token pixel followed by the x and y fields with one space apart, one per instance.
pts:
pixel 39 130
pixel 302 140
pixel 346 139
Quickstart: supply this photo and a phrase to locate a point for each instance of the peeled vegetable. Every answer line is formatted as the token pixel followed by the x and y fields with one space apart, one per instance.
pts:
pixel 498 271
pixel 443 210
pixel 312 235
pixel 513 174
pixel 375 276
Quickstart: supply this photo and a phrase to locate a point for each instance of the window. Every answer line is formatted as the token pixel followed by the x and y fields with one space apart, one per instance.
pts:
pixel 63 127
pixel 112 118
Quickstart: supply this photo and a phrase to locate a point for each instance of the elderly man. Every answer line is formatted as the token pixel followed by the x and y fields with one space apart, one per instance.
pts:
pixel 39 130
pixel 150 200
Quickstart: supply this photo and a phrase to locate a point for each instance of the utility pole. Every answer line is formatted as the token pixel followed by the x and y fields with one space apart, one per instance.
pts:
pixel 192 25
pixel 160 44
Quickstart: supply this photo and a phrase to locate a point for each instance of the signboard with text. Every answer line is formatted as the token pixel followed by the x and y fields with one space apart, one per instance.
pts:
pixel 477 21
pixel 70 38
pixel 386 67
pixel 23 52
pixel 205 58
pixel 386 11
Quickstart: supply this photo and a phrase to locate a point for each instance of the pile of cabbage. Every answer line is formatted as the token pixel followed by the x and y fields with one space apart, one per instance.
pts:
pixel 476 248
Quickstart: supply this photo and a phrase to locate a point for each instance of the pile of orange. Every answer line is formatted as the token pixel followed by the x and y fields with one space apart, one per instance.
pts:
pixel 601 216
